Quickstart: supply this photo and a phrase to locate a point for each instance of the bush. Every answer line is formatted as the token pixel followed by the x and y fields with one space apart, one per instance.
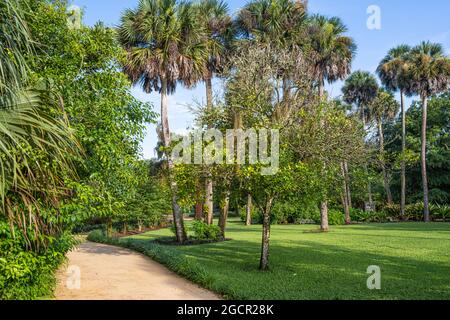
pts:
pixel 203 231
pixel 335 217
pixel 29 274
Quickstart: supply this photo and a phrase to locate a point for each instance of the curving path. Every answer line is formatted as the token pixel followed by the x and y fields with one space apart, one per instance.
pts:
pixel 113 273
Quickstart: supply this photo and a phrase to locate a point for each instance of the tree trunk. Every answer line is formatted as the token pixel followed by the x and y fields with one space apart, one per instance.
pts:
pixel 383 164
pixel 177 214
pixel 209 201
pixel 366 168
pixel 264 261
pixel 347 183
pixel 209 195
pixel 426 211
pixel 248 211
pixel 199 210
pixel 344 196
pixel 224 213
pixel 324 216
pixel 109 228
pixel 403 165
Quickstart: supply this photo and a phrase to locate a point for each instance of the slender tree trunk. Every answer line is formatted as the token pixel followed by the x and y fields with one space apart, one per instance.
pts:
pixel 224 213
pixel 347 183
pixel 324 216
pixel 383 164
pixel 209 198
pixel 324 205
pixel 264 261
pixel 366 168
pixel 109 228
pixel 426 211
pixel 248 211
pixel 344 196
pixel 177 214
pixel 403 165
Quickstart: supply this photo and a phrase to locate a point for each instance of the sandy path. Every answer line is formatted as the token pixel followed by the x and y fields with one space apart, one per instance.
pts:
pixel 113 273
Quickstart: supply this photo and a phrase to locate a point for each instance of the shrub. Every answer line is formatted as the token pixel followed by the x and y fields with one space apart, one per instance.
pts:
pixel 29 274
pixel 203 231
pixel 335 217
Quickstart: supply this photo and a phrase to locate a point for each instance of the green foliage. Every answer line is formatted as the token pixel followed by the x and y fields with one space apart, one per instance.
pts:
pixel 335 217
pixel 203 231
pixel 27 274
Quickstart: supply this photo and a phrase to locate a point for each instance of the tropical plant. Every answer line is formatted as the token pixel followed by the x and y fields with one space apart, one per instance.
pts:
pixel 391 71
pixel 279 22
pixel 331 51
pixel 428 70
pixel 35 139
pixel 163 40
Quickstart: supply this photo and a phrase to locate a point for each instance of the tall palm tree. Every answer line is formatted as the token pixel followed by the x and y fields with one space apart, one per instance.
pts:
pixel 361 88
pixel 384 108
pixel 30 134
pixel 165 46
pixel 428 69
pixel 391 71
pixel 331 55
pixel 219 34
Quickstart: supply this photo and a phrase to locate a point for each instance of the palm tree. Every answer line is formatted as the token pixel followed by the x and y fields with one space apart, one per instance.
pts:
pixel 272 21
pixel 391 71
pixel 428 69
pixel 384 108
pixel 361 88
pixel 331 55
pixel 219 34
pixel 30 134
pixel 164 44
pixel 331 51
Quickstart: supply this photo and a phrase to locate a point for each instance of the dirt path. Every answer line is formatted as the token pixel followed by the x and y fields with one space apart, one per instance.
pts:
pixel 112 273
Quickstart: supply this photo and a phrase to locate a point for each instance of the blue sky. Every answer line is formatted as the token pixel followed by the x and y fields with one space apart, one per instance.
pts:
pixel 402 21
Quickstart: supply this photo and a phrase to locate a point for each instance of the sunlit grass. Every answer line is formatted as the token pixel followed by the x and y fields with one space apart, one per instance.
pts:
pixel 414 259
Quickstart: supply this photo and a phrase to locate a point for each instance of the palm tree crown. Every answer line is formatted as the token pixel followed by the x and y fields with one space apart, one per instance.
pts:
pixel 361 89
pixel 164 42
pixel 332 51
pixel 428 69
pixel 391 69
pixel 272 20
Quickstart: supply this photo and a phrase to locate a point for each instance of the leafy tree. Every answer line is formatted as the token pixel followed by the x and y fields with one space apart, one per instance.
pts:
pixel 391 71
pixel 164 46
pixel 428 70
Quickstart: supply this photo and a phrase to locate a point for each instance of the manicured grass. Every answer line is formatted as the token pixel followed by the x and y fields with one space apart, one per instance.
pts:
pixel 414 259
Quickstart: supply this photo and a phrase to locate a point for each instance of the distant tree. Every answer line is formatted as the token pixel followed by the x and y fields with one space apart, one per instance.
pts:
pixel 391 71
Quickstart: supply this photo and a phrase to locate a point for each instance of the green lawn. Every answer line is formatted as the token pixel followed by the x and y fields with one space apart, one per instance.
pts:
pixel 414 259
